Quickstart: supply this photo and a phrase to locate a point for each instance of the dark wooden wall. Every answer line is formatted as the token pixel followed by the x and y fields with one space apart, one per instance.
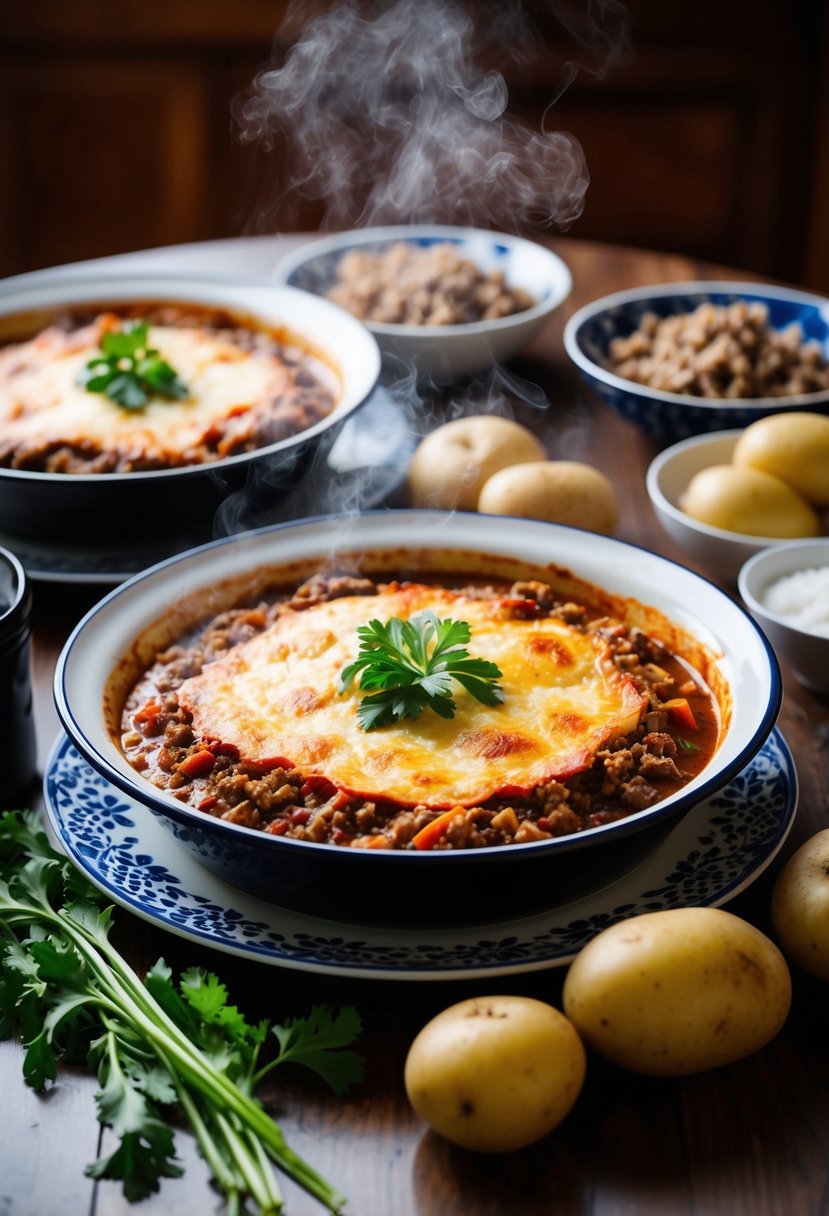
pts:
pixel 710 136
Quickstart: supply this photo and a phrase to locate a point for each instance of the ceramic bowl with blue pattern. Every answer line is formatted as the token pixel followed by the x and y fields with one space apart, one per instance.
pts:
pixel 118 638
pixel 445 352
pixel 669 417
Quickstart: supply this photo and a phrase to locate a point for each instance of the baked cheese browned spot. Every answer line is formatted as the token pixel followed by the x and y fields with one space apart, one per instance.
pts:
pixel 276 697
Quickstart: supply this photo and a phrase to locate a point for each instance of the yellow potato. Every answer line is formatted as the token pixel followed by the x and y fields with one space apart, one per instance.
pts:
pixel 749 501
pixel 800 906
pixel 494 1074
pixel 559 491
pixel 451 464
pixel 679 991
pixel 793 447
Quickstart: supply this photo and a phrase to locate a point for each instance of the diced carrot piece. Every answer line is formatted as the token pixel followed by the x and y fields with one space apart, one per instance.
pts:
pixel 429 835
pixel 197 765
pixel 680 713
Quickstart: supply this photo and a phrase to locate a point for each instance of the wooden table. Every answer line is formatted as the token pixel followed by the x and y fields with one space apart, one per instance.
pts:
pixel 747 1140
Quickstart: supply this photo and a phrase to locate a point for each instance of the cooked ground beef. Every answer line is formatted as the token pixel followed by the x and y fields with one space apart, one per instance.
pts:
pixel 627 775
pixel 726 351
pixel 432 285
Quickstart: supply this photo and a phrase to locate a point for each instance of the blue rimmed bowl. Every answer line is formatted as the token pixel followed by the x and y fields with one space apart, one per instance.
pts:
pixel 121 635
pixel 445 352
pixel 669 417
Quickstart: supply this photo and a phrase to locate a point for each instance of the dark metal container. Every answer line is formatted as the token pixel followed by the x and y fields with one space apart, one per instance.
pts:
pixel 18 756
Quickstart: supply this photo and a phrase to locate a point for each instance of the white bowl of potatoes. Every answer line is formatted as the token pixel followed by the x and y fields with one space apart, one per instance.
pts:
pixel 727 495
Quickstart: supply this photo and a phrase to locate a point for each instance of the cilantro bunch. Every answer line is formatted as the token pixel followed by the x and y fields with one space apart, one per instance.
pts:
pixel 156 1045
pixel 129 371
pixel 406 666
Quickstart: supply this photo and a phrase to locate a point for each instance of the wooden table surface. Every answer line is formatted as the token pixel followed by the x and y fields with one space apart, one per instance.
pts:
pixel 747 1140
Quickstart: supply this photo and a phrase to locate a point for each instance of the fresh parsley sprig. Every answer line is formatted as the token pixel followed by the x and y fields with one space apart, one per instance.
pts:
pixel 406 666
pixel 129 371
pixel 70 995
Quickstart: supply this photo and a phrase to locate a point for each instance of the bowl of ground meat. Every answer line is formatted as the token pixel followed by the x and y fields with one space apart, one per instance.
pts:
pixel 134 404
pixel 444 301
pixel 681 359
pixel 401 717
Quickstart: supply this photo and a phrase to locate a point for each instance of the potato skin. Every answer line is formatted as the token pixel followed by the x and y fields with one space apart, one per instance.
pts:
pixel 800 906
pixel 679 991
pixel 558 491
pixel 494 1074
pixel 749 501
pixel 451 463
pixel 792 446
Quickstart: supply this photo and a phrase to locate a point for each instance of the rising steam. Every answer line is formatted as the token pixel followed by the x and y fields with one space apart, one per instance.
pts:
pixel 384 114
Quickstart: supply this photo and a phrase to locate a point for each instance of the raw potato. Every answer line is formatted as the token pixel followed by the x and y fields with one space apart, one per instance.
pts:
pixel 559 491
pixel 800 906
pixel 494 1074
pixel 793 447
pixel 748 501
pixel 679 991
pixel 451 463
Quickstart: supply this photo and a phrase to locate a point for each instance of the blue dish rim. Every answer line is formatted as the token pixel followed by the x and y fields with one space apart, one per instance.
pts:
pixel 713 290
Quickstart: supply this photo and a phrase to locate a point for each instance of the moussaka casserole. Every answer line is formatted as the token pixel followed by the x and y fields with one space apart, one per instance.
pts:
pixel 152 385
pixel 436 712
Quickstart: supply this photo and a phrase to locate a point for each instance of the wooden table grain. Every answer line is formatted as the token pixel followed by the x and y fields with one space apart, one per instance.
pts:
pixel 751 1139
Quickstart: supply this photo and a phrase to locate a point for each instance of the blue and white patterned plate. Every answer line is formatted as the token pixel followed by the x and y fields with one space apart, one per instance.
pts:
pixel 721 846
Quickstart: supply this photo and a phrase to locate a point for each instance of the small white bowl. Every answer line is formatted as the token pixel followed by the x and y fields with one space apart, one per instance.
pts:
pixel 806 653
pixel 721 553
pixel 445 352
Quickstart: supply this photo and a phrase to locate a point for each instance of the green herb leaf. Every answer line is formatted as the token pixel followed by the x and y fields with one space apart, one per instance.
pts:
pixel 687 745
pixel 316 1042
pixel 130 372
pixel 406 666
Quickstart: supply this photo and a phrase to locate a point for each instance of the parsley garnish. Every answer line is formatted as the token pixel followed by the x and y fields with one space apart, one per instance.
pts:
pixel 71 996
pixel 129 372
pixel 405 673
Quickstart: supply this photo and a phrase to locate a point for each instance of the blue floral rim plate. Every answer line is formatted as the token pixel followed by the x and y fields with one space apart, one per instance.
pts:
pixel 720 847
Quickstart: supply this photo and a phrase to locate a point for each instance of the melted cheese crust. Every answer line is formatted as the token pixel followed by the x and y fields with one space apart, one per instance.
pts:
pixel 42 405
pixel 276 697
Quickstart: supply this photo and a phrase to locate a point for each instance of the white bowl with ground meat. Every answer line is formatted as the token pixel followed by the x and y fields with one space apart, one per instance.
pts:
pixel 786 590
pixel 681 359
pixel 445 301
pixel 210 691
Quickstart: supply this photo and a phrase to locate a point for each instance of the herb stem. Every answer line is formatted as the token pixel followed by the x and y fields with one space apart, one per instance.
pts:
pixel 66 989
pixel 162 1031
